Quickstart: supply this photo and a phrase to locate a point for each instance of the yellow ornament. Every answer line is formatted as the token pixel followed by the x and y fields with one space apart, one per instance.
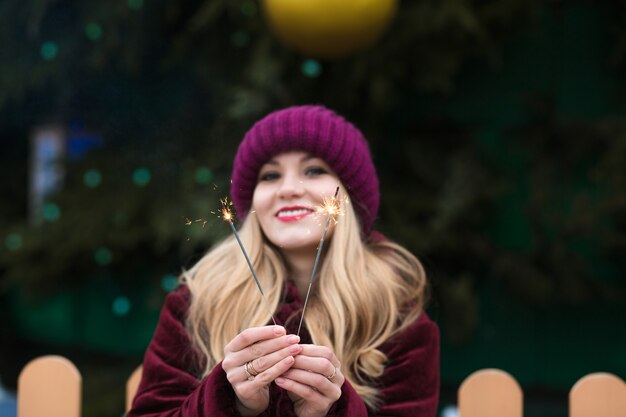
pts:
pixel 329 28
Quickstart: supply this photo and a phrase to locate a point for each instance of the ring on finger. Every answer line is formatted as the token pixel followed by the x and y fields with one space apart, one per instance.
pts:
pixel 246 367
pixel 252 369
pixel 250 376
pixel 249 368
pixel 330 377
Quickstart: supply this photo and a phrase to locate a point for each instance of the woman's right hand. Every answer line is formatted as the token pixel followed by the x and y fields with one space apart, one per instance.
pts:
pixel 271 353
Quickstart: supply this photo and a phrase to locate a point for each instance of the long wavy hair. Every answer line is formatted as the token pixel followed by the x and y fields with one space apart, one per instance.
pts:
pixel 365 293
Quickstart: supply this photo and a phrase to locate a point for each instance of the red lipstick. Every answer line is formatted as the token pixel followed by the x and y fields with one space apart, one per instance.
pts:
pixel 293 213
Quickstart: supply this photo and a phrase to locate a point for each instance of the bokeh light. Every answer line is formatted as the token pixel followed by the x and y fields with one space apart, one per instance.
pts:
pixel 121 306
pixel 141 177
pixel 92 178
pixel 169 282
pixel 203 175
pixel 13 241
pixel 51 212
pixel 93 31
pixel 311 68
pixel 49 50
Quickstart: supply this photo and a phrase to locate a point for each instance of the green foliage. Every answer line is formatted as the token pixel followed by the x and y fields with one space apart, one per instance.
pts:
pixel 172 86
pixel 536 211
pixel 128 225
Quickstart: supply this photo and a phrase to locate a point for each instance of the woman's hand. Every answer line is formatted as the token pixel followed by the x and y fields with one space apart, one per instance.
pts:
pixel 270 352
pixel 314 381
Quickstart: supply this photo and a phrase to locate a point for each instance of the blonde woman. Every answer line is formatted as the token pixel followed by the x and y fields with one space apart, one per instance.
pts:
pixel 366 347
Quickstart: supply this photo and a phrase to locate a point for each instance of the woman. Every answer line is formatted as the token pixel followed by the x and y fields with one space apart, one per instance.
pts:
pixel 366 347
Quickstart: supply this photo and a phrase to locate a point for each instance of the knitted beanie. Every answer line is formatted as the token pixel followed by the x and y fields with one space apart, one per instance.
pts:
pixel 320 132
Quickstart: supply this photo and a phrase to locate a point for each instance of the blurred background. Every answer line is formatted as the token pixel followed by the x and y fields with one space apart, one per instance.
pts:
pixel 498 129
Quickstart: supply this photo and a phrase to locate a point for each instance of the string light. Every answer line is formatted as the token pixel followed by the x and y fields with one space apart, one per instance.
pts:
pixel 169 282
pixel 141 176
pixel 93 31
pixel 49 50
pixel 92 178
pixel 311 68
pixel 120 306
pixel 13 241
pixel 51 212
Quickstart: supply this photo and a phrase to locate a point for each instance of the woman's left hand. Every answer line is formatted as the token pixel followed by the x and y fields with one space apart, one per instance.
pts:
pixel 314 381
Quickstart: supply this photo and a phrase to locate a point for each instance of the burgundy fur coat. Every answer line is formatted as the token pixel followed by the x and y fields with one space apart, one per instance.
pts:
pixel 170 386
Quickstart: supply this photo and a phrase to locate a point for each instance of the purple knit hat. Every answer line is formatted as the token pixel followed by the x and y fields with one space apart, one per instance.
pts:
pixel 320 132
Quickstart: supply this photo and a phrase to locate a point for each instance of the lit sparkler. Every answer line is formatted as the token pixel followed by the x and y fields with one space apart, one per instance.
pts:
pixel 227 215
pixel 330 207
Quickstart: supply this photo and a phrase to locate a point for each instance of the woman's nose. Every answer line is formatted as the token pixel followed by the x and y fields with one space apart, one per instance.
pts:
pixel 291 186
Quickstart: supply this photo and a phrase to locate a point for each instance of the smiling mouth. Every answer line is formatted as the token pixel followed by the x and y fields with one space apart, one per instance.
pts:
pixel 293 214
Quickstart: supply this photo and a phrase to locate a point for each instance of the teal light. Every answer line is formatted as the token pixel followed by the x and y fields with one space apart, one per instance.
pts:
pixel 248 8
pixel 311 68
pixel 203 175
pixel 103 256
pixel 141 177
pixel 49 50
pixel 93 31
pixel 135 4
pixel 51 212
pixel 92 178
pixel 121 306
pixel 13 241
pixel 169 282
pixel 240 39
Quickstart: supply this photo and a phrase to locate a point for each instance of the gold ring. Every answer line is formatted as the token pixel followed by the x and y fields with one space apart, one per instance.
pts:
pixel 245 368
pixel 330 377
pixel 250 369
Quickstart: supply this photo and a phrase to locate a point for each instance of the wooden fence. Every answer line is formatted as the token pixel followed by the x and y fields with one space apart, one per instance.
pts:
pixel 50 386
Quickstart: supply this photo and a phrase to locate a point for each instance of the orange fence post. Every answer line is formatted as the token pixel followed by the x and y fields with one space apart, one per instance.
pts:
pixel 131 386
pixel 598 394
pixel 49 386
pixel 490 393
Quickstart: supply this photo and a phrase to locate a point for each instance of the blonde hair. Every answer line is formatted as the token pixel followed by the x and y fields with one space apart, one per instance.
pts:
pixel 365 294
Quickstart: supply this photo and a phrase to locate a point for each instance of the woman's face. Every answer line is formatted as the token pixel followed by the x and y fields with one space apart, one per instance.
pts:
pixel 290 188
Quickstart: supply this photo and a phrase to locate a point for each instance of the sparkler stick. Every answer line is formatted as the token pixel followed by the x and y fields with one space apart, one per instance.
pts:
pixel 331 208
pixel 228 216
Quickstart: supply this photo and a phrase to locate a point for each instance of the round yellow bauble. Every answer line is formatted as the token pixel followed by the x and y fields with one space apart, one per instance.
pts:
pixel 328 28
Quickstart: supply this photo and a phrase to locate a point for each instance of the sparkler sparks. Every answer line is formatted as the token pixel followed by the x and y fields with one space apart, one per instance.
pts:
pixel 226 212
pixel 330 207
pixel 228 216
pixel 203 221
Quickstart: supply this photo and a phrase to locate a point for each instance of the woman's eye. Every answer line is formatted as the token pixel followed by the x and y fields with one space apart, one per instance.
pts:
pixel 269 176
pixel 315 171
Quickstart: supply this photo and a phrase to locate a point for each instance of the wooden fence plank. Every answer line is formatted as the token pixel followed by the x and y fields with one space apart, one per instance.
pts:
pixel 598 394
pixel 49 386
pixel 490 393
pixel 131 386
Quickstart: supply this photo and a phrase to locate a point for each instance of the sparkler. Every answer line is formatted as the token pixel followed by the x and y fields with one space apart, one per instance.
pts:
pixel 331 208
pixel 227 215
